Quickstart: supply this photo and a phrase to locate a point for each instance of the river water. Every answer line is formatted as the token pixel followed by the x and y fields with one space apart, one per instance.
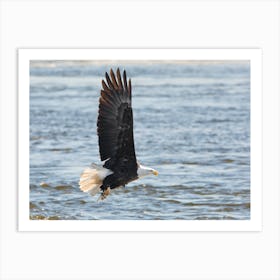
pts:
pixel 191 123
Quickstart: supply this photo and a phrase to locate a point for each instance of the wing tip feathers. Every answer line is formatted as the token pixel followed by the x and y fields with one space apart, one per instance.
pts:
pixel 116 82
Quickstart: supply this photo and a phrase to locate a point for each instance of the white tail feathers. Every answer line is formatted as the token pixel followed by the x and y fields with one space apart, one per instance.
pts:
pixel 92 178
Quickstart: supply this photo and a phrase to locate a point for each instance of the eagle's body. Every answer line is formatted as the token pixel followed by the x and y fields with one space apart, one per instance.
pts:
pixel 116 142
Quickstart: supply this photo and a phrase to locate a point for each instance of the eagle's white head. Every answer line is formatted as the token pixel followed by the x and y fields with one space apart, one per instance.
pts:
pixel 145 171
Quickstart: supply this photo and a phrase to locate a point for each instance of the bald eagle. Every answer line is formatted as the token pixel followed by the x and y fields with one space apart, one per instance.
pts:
pixel 116 142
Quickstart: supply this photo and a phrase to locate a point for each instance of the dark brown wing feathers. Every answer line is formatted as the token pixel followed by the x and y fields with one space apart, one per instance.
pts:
pixel 109 81
pixel 124 80
pixel 115 124
pixel 105 86
pixel 129 87
pixel 119 79
pixel 113 79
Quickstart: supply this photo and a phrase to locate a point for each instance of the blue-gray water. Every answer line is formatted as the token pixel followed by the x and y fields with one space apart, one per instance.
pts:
pixel 191 123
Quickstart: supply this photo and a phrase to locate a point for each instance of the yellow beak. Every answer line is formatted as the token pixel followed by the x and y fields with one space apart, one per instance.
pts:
pixel 155 172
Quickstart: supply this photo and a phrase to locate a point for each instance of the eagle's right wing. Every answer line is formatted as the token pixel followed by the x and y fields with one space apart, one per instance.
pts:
pixel 115 123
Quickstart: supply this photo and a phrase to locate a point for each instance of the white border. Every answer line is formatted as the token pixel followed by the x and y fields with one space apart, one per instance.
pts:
pixel 253 55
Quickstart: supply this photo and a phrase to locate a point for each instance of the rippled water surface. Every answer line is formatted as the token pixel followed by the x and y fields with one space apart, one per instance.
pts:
pixel 191 123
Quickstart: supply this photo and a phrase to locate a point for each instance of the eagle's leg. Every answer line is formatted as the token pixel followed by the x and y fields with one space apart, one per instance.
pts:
pixel 105 193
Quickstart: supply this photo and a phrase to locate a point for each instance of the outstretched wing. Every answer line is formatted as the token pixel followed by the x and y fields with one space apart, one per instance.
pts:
pixel 115 124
